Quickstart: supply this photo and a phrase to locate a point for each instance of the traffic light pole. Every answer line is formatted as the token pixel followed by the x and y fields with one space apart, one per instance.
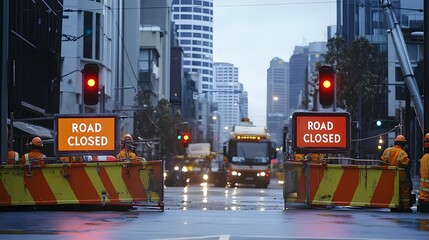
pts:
pixel 4 9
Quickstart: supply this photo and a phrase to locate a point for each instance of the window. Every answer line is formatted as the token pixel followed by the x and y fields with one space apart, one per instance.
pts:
pixel 186 9
pixel 186 26
pixel 197 17
pixel 87 34
pixel 185 41
pixel 185 16
pixel 185 34
pixel 197 27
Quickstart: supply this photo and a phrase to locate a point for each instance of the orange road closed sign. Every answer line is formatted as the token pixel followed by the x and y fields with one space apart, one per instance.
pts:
pixel 83 134
pixel 321 131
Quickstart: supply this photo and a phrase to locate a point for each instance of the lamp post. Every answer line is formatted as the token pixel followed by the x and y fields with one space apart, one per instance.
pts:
pixel 216 142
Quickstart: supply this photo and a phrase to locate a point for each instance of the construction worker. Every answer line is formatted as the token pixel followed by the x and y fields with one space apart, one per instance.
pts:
pixel 396 156
pixel 127 152
pixel 35 153
pixel 423 205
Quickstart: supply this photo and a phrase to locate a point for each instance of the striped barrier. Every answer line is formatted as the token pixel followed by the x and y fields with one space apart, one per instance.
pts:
pixel 106 184
pixel 317 184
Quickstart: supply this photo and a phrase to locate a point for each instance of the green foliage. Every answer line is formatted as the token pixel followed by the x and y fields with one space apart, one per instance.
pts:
pixel 361 83
pixel 359 74
pixel 156 122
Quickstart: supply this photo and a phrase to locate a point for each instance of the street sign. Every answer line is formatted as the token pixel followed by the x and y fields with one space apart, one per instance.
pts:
pixel 83 134
pixel 321 132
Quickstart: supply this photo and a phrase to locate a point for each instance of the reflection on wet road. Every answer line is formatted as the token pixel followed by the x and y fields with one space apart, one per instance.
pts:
pixel 204 197
pixel 204 212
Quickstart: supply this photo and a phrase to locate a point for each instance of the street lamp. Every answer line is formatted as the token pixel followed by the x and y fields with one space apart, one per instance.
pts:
pixel 216 118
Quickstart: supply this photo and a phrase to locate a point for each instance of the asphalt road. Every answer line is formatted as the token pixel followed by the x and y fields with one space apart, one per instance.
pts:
pixel 198 212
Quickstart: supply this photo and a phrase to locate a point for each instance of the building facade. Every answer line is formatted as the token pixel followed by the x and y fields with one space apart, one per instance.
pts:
pixel 194 24
pixel 228 93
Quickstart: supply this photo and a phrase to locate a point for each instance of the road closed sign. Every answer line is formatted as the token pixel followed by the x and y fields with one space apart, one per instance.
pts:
pixel 83 134
pixel 321 131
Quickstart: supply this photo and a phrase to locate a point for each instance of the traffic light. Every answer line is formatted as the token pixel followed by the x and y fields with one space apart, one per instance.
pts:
pixel 179 136
pixel 90 82
pixel 326 85
pixel 185 140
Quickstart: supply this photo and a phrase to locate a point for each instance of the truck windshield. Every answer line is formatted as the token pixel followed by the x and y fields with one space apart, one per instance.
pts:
pixel 251 153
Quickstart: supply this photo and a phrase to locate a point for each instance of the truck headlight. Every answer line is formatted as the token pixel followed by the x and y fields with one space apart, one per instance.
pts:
pixel 261 174
pixel 184 169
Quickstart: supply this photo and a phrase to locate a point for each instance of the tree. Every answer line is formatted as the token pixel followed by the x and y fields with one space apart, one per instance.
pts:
pixel 360 79
pixel 156 122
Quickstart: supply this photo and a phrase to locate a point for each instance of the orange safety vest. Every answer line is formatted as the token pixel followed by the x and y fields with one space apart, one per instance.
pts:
pixel 32 154
pixel 12 157
pixel 424 178
pixel 395 156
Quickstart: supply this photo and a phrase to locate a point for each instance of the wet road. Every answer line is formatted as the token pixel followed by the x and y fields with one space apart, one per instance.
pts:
pixel 199 212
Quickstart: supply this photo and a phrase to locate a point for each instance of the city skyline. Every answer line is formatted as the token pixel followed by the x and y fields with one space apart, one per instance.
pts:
pixel 247 41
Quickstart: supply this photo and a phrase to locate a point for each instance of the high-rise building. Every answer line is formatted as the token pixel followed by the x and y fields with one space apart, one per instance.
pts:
pixel 278 98
pixel 194 24
pixel 228 93
pixel 298 65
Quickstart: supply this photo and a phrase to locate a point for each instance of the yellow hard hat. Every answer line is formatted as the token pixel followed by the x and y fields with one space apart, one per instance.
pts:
pixel 400 138
pixel 427 137
pixel 37 141
pixel 127 137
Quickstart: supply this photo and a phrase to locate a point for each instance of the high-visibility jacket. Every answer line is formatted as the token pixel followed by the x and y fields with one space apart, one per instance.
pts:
pixel 122 155
pixel 32 154
pixel 424 178
pixel 12 157
pixel 395 156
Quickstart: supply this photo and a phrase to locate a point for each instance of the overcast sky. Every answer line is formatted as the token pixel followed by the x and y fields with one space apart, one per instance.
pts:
pixel 250 33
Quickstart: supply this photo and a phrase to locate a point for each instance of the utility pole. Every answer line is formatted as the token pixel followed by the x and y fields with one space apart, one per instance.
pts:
pixel 4 35
pixel 426 69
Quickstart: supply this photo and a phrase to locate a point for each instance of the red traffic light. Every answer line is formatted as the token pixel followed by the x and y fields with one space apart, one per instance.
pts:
pixel 326 85
pixel 185 140
pixel 90 84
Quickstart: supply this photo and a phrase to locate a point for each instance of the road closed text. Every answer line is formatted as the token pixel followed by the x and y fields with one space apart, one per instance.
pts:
pixel 87 140
pixel 320 131
pixel 318 137
pixel 86 134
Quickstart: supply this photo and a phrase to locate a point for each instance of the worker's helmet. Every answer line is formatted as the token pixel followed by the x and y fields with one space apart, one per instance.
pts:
pixel 127 137
pixel 400 138
pixel 37 142
pixel 427 137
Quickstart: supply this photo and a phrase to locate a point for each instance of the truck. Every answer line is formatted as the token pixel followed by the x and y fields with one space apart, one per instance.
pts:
pixel 193 167
pixel 247 155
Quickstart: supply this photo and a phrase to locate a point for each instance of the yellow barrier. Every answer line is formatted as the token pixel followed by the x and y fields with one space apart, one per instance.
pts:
pixel 105 184
pixel 317 184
